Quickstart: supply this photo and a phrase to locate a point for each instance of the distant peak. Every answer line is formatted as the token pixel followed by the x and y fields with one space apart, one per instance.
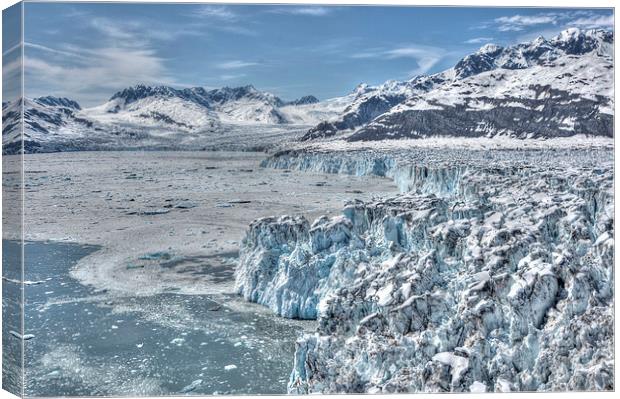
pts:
pixel 58 102
pixel 576 33
pixel 490 48
pixel 304 100
pixel 362 88
pixel 141 90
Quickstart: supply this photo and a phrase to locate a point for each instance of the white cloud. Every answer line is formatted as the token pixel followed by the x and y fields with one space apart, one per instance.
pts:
pixel 235 64
pixel 479 40
pixel 111 29
pixel 520 22
pixel 601 21
pixel 215 12
pixel 126 68
pixel 232 76
pixel 221 18
pixel 580 18
pixel 121 56
pixel 424 56
pixel 313 11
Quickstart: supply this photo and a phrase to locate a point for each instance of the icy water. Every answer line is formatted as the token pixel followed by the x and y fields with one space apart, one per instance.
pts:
pixel 90 343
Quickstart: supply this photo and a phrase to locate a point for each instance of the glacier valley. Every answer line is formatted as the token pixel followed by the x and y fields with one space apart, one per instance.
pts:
pixel 452 232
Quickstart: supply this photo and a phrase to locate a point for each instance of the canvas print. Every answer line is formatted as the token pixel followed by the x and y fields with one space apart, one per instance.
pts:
pixel 236 199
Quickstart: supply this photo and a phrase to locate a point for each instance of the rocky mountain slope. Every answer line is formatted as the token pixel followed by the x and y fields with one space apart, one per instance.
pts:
pixel 545 88
pixel 46 120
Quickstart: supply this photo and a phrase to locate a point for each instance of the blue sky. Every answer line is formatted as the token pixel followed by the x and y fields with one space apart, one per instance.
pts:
pixel 89 51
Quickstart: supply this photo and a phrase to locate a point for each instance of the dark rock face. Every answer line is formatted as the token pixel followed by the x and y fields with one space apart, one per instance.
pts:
pixel 164 118
pixel 535 119
pixel 42 116
pixel 361 114
pixel 304 101
pixel 198 95
pixel 58 102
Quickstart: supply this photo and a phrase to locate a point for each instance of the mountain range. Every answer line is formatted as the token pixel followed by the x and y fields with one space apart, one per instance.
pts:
pixel 544 88
pixel 540 89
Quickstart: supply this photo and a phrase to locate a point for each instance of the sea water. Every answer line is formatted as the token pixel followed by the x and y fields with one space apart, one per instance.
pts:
pixel 92 343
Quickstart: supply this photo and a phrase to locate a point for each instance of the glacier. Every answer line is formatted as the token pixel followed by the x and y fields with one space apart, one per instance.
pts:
pixel 491 270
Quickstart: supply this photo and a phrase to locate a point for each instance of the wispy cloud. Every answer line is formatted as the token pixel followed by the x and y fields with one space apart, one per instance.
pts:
pixel 11 49
pixel 221 18
pixel 216 12
pixel 124 51
pixel 141 32
pixel 112 29
pixel 559 20
pixel 424 56
pixel 478 40
pixel 127 67
pixel 602 21
pixel 232 76
pixel 313 11
pixel 235 64
pixel 62 52
pixel 520 22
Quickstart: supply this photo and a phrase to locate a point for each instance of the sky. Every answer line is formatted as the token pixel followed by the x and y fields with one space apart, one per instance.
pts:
pixel 87 52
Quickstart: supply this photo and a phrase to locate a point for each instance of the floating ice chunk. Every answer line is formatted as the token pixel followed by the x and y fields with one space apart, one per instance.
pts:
pixel 195 384
pixel 25 337
pixel 28 282
pixel 185 205
pixel 178 341
pixel 230 367
pixel 162 255
pixel 151 212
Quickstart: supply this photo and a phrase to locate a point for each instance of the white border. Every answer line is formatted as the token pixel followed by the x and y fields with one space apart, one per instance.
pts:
pixel 477 3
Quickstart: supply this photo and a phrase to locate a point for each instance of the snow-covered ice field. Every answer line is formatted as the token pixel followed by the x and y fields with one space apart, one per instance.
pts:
pixel 185 204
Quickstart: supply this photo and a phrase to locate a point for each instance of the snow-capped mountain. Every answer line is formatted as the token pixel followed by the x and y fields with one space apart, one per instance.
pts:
pixel 46 119
pixel 191 108
pixel 545 88
pixel 158 117
pixel 304 100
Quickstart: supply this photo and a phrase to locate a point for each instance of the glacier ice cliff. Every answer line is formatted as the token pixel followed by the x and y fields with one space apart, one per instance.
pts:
pixel 492 270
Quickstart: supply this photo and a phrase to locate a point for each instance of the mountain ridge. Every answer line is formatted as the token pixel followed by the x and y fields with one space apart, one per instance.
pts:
pixel 539 89
pixel 425 105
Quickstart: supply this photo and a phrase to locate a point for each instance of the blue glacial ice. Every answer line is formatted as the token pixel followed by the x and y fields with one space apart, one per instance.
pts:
pixel 491 270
